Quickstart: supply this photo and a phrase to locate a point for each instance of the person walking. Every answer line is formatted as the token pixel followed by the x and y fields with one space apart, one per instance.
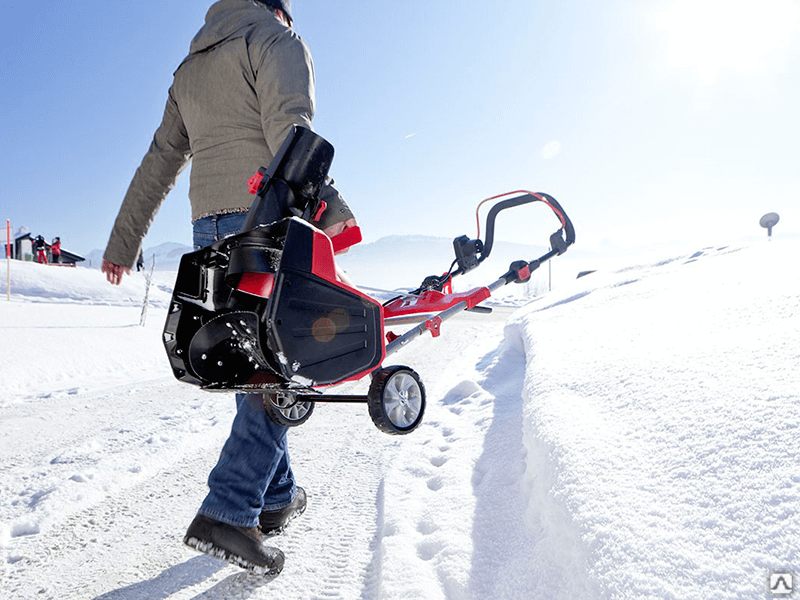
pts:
pixel 247 81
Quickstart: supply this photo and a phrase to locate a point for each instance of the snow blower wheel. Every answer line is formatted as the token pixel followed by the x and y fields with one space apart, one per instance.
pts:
pixel 286 410
pixel 396 400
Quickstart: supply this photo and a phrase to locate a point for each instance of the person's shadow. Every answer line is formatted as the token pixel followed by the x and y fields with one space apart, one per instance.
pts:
pixel 188 574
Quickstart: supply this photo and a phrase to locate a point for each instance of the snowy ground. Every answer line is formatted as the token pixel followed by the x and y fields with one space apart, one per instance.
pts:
pixel 633 434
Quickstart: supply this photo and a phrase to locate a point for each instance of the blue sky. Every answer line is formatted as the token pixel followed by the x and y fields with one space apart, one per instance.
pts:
pixel 653 123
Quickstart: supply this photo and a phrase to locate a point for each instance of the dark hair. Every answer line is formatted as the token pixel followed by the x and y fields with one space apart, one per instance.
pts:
pixel 284 5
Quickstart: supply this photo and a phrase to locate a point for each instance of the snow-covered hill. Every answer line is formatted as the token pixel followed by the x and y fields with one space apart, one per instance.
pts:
pixel 633 434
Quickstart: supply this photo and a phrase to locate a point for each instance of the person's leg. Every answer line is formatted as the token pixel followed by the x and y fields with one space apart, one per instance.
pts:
pixel 281 489
pixel 253 468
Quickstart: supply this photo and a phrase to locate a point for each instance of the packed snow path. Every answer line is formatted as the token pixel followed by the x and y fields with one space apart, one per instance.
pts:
pixel 634 434
pixel 107 480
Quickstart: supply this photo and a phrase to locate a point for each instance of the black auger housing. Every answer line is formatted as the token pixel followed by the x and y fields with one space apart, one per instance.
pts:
pixel 264 309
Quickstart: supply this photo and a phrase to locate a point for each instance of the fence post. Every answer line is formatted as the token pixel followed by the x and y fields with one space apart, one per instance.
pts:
pixel 148 278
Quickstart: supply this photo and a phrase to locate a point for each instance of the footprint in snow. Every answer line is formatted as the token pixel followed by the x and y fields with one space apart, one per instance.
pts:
pixel 24 529
pixel 428 549
pixel 435 483
pixel 460 391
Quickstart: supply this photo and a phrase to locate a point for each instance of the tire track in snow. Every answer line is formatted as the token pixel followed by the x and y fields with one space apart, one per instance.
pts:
pixel 135 532
pixel 338 457
pixel 98 520
pixel 129 543
pixel 92 445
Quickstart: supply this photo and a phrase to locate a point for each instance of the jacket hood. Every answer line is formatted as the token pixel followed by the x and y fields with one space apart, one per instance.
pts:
pixel 227 19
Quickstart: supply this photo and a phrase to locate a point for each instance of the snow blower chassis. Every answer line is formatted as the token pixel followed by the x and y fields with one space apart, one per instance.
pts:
pixel 263 312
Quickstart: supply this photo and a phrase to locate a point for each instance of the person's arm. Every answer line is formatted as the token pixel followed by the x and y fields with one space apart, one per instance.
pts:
pixel 284 84
pixel 168 155
pixel 285 89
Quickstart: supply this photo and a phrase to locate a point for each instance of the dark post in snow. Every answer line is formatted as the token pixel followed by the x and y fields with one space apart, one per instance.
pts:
pixel 768 221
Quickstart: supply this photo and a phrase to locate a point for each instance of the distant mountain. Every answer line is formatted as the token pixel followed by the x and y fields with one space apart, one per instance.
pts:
pixel 94 259
pixel 403 261
pixel 167 255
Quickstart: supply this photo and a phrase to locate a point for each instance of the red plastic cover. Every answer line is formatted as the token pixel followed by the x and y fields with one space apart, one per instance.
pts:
pixel 257 284
pixel 349 237
pixel 433 301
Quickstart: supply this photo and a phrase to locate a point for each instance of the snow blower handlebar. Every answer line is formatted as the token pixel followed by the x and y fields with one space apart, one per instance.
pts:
pixel 469 254
pixel 472 252
pixel 520 271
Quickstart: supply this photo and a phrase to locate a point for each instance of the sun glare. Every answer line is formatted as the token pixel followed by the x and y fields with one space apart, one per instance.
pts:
pixel 709 36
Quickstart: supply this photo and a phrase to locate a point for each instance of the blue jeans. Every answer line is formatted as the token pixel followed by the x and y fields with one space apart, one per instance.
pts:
pixel 253 471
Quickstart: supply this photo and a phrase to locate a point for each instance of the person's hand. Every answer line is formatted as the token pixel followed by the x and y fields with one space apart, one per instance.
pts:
pixel 114 272
pixel 344 277
pixel 332 232
pixel 339 227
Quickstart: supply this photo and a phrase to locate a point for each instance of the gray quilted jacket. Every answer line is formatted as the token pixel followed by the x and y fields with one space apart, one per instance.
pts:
pixel 246 81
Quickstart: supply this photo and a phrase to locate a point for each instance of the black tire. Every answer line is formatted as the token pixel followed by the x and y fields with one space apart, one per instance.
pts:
pixel 284 409
pixel 396 400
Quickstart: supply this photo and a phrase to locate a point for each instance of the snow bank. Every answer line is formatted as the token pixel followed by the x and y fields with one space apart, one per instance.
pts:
pixel 661 426
pixel 88 337
pixel 32 282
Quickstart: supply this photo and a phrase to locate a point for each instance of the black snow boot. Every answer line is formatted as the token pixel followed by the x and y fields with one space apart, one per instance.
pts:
pixel 273 522
pixel 240 546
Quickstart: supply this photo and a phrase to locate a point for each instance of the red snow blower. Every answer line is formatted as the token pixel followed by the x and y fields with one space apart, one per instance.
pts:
pixel 264 312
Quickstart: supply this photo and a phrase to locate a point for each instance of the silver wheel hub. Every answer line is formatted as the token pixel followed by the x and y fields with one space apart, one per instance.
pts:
pixel 402 399
pixel 289 407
